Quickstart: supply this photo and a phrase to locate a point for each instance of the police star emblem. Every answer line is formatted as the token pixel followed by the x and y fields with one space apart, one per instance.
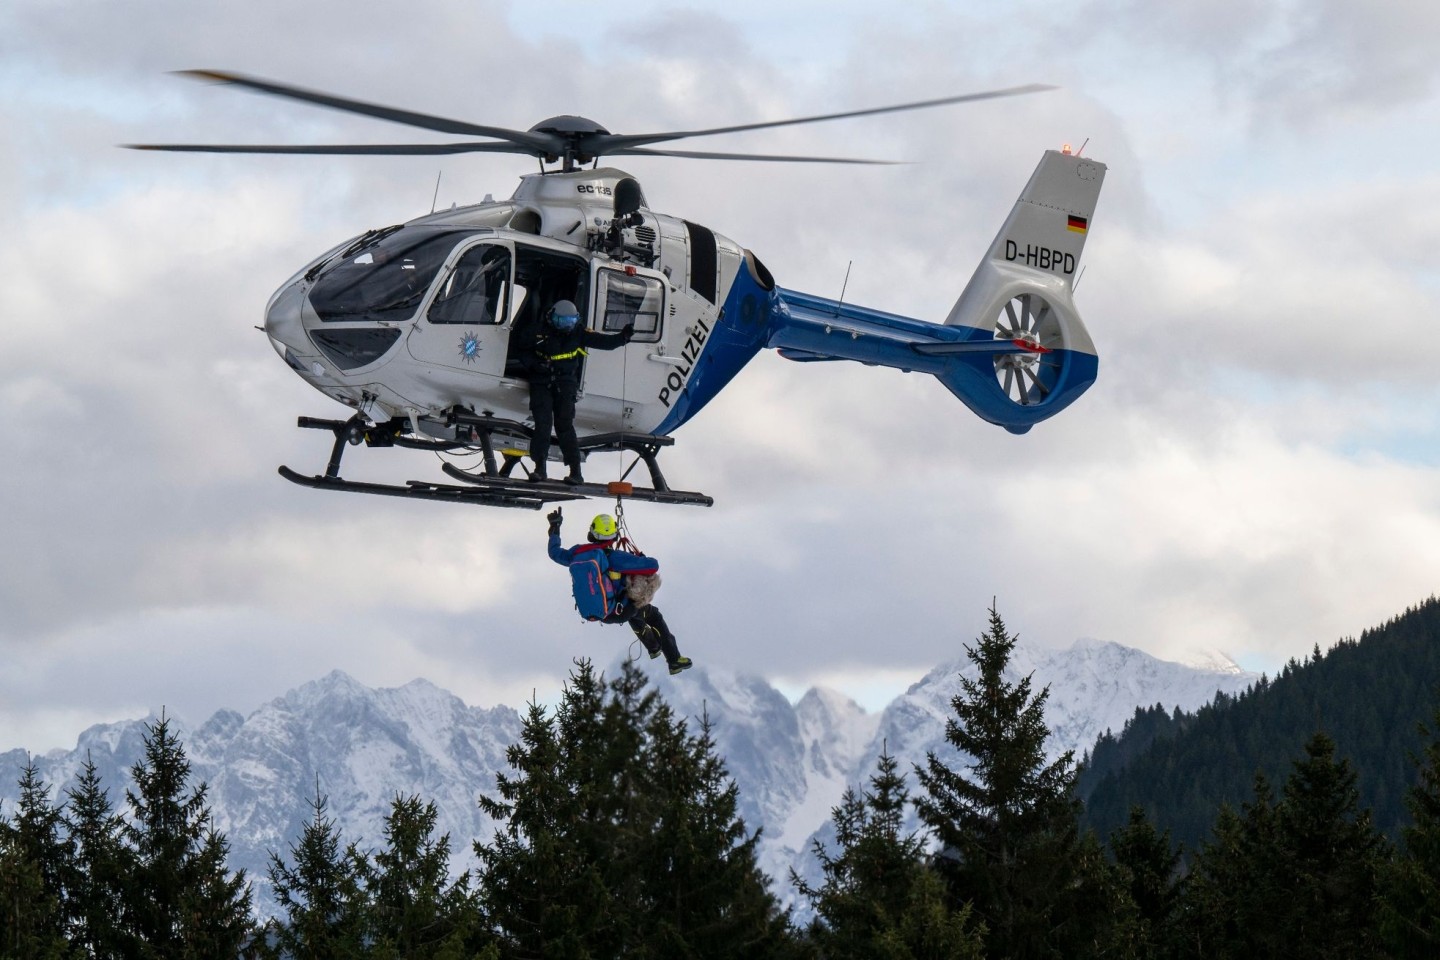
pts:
pixel 469 348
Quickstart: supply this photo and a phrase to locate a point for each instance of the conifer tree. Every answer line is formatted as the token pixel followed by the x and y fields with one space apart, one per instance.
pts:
pixel 618 836
pixel 1230 894
pixel 879 899
pixel 104 866
pixel 1410 914
pixel 1294 878
pixel 712 899
pixel 415 911
pixel 30 915
pixel 538 881
pixel 40 841
pixel 1150 868
pixel 186 903
pixel 320 897
pixel 1009 830
pixel 1330 860
pixel 27 913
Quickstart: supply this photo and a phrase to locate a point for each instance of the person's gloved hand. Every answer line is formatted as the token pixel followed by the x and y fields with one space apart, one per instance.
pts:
pixel 554 518
pixel 629 332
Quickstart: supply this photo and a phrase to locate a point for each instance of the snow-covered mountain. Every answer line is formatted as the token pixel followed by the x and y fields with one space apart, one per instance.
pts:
pixel 361 747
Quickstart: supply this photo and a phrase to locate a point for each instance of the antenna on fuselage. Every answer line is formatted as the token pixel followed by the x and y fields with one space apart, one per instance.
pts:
pixel 436 197
pixel 841 302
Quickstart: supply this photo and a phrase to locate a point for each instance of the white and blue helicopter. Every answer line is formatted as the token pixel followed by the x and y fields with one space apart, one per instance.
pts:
pixel 411 325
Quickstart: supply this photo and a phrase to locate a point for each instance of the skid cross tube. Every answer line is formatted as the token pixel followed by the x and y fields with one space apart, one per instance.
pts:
pixel 495 486
pixel 482 427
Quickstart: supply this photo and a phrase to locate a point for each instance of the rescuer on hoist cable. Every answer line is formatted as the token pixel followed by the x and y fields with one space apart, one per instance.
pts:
pixel 552 360
pixel 613 583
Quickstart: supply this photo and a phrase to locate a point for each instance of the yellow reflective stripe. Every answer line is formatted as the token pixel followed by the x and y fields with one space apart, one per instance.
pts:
pixel 577 352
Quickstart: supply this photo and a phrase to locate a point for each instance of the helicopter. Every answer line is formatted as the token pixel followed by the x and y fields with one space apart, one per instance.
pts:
pixel 416 326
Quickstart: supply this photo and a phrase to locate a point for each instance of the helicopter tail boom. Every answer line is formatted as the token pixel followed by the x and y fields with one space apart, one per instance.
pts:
pixel 1013 348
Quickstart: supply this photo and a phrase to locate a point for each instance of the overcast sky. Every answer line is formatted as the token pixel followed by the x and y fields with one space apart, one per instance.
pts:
pixel 1257 469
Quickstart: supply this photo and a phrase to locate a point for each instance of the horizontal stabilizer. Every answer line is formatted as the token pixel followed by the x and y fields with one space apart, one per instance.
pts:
pixel 990 347
pixel 801 356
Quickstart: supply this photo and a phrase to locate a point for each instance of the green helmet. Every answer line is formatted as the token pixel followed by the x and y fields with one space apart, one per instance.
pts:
pixel 604 527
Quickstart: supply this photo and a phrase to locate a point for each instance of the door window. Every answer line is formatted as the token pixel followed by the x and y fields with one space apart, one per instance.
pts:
pixel 626 299
pixel 477 290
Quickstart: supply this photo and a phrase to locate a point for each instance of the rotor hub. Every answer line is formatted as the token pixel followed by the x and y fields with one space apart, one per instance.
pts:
pixel 569 127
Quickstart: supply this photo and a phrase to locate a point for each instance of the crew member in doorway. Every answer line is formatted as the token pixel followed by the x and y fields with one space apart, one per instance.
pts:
pixel 553 361
pixel 619 602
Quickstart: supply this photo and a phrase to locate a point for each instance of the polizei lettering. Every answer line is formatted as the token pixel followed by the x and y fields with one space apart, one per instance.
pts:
pixel 1043 257
pixel 688 353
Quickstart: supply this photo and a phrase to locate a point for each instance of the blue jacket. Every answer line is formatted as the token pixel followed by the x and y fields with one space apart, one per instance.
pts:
pixel 621 562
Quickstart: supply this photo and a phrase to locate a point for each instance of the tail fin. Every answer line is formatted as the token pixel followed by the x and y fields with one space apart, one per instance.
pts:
pixel 1022 291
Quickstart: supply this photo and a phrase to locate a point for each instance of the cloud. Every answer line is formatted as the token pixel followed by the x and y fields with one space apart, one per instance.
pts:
pixel 1251 471
pixel 1323 284
pixel 1336 58
pixel 1301 64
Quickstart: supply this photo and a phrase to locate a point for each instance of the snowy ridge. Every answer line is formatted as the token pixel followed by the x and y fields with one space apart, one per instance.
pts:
pixel 361 747
pixel 792 762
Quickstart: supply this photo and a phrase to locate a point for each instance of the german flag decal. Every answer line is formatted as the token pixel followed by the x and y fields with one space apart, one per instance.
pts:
pixel 1078 224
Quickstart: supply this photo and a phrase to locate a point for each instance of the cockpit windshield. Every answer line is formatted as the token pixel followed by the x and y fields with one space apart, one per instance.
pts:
pixel 385 281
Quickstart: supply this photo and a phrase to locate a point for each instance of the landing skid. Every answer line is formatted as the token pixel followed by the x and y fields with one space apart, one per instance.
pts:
pixel 494 486
pixel 557 490
pixel 418 490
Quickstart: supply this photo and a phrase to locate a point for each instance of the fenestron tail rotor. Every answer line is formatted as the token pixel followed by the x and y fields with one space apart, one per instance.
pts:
pixel 571 141
pixel 1028 321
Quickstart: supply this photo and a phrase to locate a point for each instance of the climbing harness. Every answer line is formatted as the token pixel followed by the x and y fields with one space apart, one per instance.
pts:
pixel 640 588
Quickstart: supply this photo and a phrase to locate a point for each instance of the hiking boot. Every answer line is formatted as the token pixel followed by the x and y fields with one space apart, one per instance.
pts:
pixel 537 476
pixel 680 663
pixel 653 651
pixel 574 479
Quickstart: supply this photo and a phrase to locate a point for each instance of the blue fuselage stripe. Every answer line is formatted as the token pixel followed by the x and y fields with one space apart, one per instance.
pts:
pixel 739 332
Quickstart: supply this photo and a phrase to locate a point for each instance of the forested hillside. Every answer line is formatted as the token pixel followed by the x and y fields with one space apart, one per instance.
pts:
pixel 1368 695
pixel 618 835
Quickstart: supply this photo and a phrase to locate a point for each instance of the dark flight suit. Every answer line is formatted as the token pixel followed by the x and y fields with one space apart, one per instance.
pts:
pixel 553 362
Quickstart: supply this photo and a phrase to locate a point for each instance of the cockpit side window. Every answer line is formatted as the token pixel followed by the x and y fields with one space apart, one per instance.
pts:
pixel 385 281
pixel 626 299
pixel 477 290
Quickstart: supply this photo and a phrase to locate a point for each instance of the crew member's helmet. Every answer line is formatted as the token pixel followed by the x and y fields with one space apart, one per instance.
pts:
pixel 564 316
pixel 604 527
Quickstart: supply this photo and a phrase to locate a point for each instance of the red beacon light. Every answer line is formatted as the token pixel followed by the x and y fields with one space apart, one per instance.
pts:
pixel 1065 149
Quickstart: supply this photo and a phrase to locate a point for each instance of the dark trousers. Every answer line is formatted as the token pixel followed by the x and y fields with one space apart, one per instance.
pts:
pixel 552 404
pixel 649 625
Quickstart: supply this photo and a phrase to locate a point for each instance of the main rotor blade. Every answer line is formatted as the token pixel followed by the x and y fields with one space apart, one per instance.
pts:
pixel 613 141
pixel 708 155
pixel 536 142
pixel 375 149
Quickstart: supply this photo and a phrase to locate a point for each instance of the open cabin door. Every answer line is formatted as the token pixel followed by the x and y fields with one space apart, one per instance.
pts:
pixel 628 375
